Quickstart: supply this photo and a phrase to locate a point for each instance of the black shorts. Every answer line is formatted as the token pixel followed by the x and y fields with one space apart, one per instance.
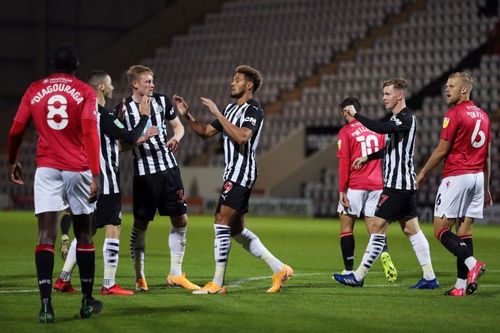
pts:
pixel 234 196
pixel 108 210
pixel 395 205
pixel 162 191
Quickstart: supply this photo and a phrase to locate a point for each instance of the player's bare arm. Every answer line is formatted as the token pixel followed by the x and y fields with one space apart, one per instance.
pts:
pixel 488 200
pixel 436 157
pixel 178 128
pixel 203 130
pixel 239 134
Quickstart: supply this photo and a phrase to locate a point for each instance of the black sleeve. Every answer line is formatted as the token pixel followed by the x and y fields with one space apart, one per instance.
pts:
pixel 111 126
pixel 402 124
pixel 253 118
pixel 217 125
pixel 376 155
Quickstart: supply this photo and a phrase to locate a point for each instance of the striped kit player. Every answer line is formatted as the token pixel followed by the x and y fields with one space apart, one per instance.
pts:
pixel 157 181
pixel 398 199
pixel 241 125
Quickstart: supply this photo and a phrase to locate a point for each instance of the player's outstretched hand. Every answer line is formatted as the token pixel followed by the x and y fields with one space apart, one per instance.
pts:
pixel 358 163
pixel 181 104
pixel 210 104
pixel 16 173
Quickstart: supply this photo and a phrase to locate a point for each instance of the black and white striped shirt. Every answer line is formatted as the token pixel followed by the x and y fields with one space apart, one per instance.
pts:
pixel 400 130
pixel 152 156
pixel 112 130
pixel 240 162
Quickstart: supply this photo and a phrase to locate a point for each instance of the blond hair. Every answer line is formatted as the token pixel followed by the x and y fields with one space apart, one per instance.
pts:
pixel 135 71
pixel 464 77
pixel 398 83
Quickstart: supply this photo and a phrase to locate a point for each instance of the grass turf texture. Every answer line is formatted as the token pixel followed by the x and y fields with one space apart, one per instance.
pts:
pixel 310 302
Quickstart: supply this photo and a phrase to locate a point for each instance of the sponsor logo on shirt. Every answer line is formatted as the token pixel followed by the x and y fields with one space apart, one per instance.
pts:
pixel 396 120
pixel 251 120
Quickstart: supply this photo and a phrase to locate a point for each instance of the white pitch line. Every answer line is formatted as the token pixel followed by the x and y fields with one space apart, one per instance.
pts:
pixel 238 283
pixel 21 291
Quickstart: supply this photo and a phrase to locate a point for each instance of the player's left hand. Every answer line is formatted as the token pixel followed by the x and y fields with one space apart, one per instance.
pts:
pixel 210 104
pixel 16 173
pixel 173 144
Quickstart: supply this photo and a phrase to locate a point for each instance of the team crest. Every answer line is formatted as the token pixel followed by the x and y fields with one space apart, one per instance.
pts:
pixel 446 121
pixel 228 186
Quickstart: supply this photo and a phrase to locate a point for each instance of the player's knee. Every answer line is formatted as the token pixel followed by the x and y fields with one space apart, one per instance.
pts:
pixel 46 237
pixel 112 231
pixel 84 238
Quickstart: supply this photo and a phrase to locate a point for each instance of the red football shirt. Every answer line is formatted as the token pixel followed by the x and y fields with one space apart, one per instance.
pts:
pixel 355 140
pixel 467 127
pixel 57 105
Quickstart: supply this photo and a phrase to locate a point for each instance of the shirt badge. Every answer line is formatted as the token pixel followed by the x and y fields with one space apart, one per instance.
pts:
pixel 446 121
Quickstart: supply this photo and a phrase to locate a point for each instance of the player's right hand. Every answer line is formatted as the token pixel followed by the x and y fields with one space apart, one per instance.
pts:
pixel 16 173
pixel 94 189
pixel 344 201
pixel 181 104
pixel 144 107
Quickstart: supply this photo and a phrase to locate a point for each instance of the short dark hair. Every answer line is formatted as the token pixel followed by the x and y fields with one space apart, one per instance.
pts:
pixel 251 74
pixel 65 59
pixel 96 76
pixel 351 101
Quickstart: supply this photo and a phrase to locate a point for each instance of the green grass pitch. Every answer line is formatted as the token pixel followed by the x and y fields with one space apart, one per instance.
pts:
pixel 310 302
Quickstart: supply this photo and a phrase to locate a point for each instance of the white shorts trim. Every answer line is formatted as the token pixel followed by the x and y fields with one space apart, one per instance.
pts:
pixel 55 190
pixel 362 202
pixel 460 196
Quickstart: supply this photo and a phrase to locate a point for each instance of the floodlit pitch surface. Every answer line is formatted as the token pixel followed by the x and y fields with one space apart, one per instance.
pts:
pixel 310 302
